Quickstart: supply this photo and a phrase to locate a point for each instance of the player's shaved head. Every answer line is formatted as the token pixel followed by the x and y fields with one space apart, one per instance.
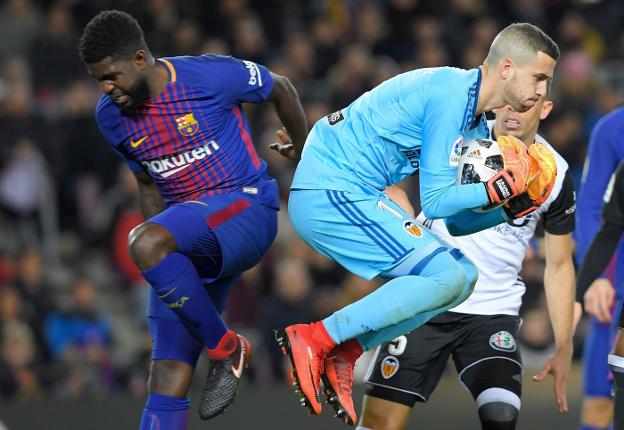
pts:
pixel 521 42
pixel 111 34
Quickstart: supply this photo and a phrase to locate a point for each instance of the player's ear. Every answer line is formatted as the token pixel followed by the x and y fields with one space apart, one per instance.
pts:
pixel 140 60
pixel 506 68
pixel 547 107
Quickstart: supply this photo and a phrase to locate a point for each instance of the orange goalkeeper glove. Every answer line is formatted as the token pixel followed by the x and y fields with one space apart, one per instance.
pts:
pixel 544 170
pixel 516 173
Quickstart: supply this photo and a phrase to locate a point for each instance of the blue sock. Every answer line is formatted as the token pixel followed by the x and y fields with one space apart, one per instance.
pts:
pixel 586 427
pixel 165 413
pixel 178 284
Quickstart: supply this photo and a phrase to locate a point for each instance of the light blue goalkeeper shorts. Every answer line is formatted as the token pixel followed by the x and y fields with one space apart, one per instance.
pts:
pixel 367 234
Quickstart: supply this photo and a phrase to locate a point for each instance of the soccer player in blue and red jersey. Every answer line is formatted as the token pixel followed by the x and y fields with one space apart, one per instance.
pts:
pixel 209 204
pixel 604 297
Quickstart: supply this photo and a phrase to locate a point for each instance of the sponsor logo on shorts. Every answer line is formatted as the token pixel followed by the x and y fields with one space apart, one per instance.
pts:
pixel 503 341
pixel 456 151
pixel 412 228
pixel 389 366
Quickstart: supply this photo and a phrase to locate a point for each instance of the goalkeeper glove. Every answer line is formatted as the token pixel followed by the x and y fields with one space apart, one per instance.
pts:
pixel 544 170
pixel 516 173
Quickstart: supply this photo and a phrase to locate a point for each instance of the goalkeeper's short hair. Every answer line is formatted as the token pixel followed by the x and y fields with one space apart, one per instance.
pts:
pixel 111 33
pixel 521 41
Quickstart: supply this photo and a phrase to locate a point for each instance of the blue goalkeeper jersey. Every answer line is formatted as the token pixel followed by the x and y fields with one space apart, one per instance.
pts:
pixel 605 152
pixel 415 121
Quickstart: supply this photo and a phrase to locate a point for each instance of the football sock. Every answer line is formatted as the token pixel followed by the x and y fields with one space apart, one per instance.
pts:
pixel 164 412
pixel 351 350
pixel 178 284
pixel 413 299
pixel 616 364
pixel 586 427
pixel 318 333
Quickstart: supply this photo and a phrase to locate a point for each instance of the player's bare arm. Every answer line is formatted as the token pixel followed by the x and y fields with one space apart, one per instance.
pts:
pixel 288 107
pixel 559 286
pixel 150 198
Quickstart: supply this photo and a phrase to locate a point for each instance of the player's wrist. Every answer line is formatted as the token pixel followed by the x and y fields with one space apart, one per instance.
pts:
pixel 519 206
pixel 500 187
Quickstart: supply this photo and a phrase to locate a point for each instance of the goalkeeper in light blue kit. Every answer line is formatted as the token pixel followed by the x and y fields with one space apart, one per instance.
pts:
pixel 416 121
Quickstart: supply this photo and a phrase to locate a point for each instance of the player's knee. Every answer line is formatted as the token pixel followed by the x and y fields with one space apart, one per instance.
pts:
pixel 452 283
pixel 498 416
pixel 169 377
pixel 471 271
pixel 149 243
pixel 376 418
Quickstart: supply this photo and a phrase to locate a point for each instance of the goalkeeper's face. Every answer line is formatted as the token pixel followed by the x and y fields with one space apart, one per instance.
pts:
pixel 122 81
pixel 528 82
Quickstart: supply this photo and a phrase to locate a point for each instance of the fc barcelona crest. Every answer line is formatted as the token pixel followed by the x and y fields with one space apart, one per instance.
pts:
pixel 187 124
pixel 389 366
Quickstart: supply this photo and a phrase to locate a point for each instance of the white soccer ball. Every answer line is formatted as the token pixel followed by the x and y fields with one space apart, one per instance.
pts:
pixel 480 159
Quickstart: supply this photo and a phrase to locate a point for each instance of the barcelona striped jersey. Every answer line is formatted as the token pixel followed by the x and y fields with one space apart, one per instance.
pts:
pixel 193 139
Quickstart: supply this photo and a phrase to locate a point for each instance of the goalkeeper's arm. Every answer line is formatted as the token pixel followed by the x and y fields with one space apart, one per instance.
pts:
pixel 442 202
pixel 468 222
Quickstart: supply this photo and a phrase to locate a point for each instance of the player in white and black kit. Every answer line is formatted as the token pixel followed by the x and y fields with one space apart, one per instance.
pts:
pixel 480 334
pixel 596 259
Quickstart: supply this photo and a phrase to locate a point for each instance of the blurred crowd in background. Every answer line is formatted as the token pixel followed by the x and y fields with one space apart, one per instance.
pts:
pixel 71 302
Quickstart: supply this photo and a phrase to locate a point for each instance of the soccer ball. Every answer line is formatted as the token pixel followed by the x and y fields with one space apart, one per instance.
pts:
pixel 480 160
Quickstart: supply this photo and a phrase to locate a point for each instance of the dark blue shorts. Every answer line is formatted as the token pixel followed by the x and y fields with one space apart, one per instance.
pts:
pixel 224 235
pixel 597 380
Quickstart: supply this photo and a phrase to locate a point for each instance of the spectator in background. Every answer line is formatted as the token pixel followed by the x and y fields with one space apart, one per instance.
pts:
pixel 19 24
pixel 79 338
pixel 35 291
pixel 19 369
pixel 289 305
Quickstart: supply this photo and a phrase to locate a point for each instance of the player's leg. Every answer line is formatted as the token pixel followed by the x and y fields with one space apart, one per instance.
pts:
pixel 490 367
pixel 367 238
pixel 223 376
pixel 406 370
pixel 174 354
pixel 158 248
pixel 616 364
pixel 212 241
pixel 371 340
pixel 380 414
pixel 597 408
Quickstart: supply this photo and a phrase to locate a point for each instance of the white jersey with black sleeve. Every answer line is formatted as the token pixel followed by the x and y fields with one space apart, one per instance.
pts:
pixel 498 252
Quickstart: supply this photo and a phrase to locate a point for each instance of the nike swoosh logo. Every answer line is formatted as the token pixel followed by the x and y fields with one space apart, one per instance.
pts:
pixel 238 370
pixel 138 142
pixel 171 172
